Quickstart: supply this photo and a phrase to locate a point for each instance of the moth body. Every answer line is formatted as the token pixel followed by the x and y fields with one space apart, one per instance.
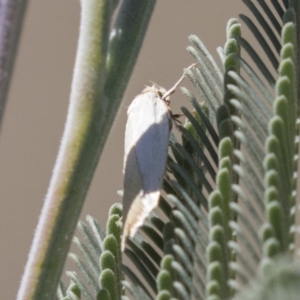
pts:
pixel 146 151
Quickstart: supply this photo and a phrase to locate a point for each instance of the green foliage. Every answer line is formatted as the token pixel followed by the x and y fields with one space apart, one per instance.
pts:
pixel 227 214
pixel 101 268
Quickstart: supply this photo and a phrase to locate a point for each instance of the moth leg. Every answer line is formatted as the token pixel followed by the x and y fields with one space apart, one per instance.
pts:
pixel 175 120
pixel 176 117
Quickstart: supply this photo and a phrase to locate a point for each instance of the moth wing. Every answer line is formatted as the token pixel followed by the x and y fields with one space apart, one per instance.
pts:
pixel 146 151
pixel 152 145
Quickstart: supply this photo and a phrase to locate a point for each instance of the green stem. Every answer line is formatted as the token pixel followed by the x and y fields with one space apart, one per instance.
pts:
pixel 77 158
pixel 11 19
pixel 125 42
pixel 91 114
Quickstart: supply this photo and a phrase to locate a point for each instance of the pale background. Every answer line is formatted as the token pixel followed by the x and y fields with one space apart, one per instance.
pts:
pixel 38 101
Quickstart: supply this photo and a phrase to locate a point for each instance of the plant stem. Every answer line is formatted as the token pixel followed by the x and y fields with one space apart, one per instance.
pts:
pixel 11 19
pixel 90 117
pixel 77 158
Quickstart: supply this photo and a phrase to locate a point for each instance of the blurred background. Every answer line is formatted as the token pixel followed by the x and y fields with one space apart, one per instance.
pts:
pixel 38 100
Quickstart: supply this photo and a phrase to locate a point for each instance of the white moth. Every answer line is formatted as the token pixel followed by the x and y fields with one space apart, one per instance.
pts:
pixel 146 150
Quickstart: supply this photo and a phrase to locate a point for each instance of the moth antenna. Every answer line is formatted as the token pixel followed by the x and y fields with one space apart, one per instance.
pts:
pixel 172 90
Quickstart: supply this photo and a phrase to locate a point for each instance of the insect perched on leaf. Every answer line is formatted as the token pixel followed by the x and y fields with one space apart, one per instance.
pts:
pixel 146 150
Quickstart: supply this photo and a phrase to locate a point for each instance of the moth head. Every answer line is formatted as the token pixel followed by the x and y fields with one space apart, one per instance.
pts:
pixel 155 88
